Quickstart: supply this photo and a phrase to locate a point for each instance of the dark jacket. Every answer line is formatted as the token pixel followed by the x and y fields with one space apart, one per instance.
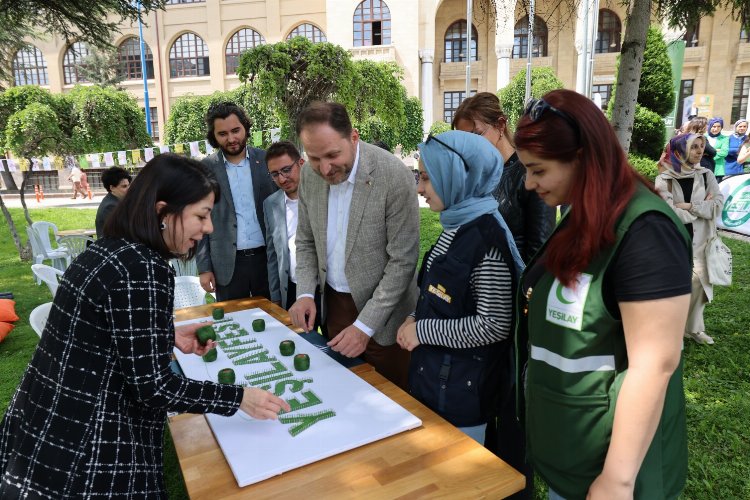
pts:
pixel 106 207
pixel 527 216
pixel 88 418
pixel 707 160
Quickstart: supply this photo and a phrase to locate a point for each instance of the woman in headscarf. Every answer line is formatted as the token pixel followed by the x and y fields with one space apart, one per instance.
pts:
pixel 693 193
pixel 459 333
pixel 720 143
pixel 732 167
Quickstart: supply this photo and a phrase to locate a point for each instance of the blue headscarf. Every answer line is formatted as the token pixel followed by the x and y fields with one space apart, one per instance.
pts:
pixel 466 195
pixel 711 124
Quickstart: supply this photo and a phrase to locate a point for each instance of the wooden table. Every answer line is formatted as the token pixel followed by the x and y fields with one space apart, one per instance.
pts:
pixel 78 232
pixel 435 460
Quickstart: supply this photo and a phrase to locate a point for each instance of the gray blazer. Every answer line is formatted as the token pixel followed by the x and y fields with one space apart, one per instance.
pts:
pixel 277 247
pixel 382 243
pixel 216 252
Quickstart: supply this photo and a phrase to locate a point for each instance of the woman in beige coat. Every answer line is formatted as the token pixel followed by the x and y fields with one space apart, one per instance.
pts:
pixel 693 193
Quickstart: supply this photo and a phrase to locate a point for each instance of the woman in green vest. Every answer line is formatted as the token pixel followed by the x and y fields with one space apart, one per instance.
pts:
pixel 720 143
pixel 601 314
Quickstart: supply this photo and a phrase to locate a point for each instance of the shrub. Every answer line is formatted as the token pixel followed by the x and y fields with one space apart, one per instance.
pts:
pixel 543 80
pixel 648 133
pixel 645 166
pixel 656 91
pixel 439 127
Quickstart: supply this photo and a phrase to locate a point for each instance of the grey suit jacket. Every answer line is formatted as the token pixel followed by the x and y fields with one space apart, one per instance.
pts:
pixel 382 243
pixel 216 252
pixel 277 247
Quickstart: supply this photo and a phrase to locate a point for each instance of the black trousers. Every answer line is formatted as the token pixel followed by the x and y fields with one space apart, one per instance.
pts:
pixel 250 276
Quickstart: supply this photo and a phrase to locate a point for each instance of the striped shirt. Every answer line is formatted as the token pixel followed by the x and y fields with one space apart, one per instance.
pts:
pixel 492 289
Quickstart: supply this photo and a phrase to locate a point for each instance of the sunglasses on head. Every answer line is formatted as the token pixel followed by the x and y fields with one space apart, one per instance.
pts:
pixel 433 138
pixel 535 108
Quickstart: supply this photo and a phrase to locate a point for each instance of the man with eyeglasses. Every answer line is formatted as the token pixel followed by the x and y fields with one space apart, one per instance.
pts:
pixel 232 260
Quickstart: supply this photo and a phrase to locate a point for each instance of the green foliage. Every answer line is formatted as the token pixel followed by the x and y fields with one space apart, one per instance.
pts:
pixel 186 120
pixel 645 166
pixel 16 98
pixel 649 133
pixel 543 80
pixel 374 129
pixel 375 90
pixel 105 119
pixel 656 91
pixel 101 67
pixel 33 131
pixel 413 130
pixel 439 127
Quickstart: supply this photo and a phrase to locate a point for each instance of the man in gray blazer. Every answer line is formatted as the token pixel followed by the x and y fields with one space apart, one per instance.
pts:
pixel 357 238
pixel 232 260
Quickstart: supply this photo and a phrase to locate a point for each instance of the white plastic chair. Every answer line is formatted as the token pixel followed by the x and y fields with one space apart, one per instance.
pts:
pixel 184 268
pixel 74 244
pixel 38 317
pixel 58 258
pixel 188 292
pixel 42 229
pixel 49 275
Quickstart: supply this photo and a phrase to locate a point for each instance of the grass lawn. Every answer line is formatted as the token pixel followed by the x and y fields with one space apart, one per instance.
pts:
pixel 717 378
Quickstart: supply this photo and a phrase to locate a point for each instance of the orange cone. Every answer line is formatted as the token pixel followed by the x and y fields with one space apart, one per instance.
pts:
pixel 89 191
pixel 41 191
pixel 36 192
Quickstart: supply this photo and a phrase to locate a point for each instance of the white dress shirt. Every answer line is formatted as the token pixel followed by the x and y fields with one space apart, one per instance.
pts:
pixel 291 232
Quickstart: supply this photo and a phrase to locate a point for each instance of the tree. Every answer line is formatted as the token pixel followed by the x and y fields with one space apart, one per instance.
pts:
pixel 90 21
pixel 656 91
pixel 511 97
pixel 102 67
pixel 412 131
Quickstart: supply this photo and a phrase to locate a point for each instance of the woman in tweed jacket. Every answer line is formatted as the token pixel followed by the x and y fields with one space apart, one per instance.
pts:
pixel 88 417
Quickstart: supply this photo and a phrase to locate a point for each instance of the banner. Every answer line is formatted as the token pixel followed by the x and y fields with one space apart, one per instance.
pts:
pixel 136 154
pixel 194 149
pixel 163 149
pixel 46 163
pixel 109 159
pixel 122 158
pixel 148 154
pixel 735 214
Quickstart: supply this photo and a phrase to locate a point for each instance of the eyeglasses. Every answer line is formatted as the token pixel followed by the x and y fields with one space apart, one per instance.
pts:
pixel 535 108
pixel 285 171
pixel 433 138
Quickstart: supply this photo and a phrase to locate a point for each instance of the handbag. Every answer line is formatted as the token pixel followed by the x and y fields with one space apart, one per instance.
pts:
pixel 718 260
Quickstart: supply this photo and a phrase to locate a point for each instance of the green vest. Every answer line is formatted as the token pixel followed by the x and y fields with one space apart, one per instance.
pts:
pixel 577 361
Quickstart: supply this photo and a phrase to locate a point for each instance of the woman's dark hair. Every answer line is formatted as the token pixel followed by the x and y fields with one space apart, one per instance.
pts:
pixel 112 177
pixel 604 182
pixel 176 180
pixel 485 107
pixel 282 148
pixel 223 110
pixel 332 114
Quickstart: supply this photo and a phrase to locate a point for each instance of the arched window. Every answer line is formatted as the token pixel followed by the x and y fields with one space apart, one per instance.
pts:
pixel 29 67
pixel 129 56
pixel 455 42
pixel 309 31
pixel 241 41
pixel 188 57
pixel 521 39
pixel 610 32
pixel 72 62
pixel 372 23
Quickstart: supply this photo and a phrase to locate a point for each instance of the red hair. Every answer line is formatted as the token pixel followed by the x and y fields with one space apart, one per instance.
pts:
pixel 604 185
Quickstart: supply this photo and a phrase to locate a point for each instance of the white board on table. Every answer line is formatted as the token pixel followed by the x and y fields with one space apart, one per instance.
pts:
pixel 259 449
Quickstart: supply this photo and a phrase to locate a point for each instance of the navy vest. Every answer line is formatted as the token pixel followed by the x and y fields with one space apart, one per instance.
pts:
pixel 459 384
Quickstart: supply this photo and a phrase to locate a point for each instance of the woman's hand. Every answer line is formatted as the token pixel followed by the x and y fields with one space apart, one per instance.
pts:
pixel 608 488
pixel 186 341
pixel 684 205
pixel 407 334
pixel 262 404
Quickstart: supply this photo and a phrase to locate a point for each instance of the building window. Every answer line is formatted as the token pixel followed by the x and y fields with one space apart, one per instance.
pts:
pixel 610 32
pixel 686 90
pixel 154 124
pixel 372 24
pixel 309 31
pixel 451 100
pixel 29 67
pixel 244 39
pixel 455 42
pixel 188 57
pixel 129 55
pixel 739 100
pixel 177 2
pixel 521 39
pixel 605 91
pixel 72 61
pixel 692 33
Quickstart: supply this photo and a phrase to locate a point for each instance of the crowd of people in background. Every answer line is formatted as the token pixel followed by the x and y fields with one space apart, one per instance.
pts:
pixel 557 344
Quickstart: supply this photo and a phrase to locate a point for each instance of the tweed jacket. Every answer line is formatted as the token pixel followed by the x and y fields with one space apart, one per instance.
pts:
pixel 382 242
pixel 277 247
pixel 216 252
pixel 88 418
pixel 106 207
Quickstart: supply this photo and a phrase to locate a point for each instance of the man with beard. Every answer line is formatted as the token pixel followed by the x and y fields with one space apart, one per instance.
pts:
pixel 232 260
pixel 357 239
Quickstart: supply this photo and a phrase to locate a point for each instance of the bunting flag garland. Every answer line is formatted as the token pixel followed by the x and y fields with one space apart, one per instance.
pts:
pixel 257 138
pixel 83 161
pixel 209 148
pixel 148 154
pixel 194 149
pixel 136 155
pixel 95 160
pixel 178 148
pixel 109 159
pixel 122 158
pixel 163 149
pixel 46 163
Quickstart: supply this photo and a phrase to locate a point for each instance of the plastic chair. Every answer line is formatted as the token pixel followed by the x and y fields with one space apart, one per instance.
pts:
pixel 38 317
pixel 49 275
pixel 184 268
pixel 188 292
pixel 74 244
pixel 42 229
pixel 58 258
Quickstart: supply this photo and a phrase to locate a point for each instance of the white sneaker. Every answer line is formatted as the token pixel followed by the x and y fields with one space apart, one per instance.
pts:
pixel 700 337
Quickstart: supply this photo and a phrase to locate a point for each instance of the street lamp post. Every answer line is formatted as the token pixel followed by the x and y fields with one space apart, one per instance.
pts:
pixel 147 106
